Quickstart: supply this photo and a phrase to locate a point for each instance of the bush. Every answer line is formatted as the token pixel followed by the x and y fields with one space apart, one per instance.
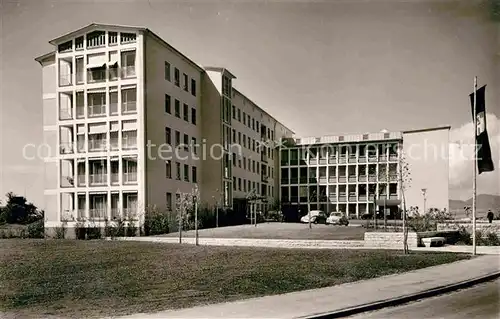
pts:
pixel 36 229
pixel 94 233
pixel 156 223
pixel 60 232
pixel 131 230
pixel 491 239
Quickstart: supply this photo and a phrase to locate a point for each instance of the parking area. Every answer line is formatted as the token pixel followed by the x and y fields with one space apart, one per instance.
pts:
pixel 281 231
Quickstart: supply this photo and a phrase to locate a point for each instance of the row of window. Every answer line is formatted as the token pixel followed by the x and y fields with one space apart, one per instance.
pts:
pixel 251 144
pixel 252 166
pixel 177 79
pixel 244 185
pixel 97 39
pixel 181 174
pixel 185 141
pixel 184 113
pixel 251 123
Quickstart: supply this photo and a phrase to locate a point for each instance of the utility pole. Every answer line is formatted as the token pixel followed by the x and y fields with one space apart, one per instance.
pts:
pixel 474 171
pixel 424 194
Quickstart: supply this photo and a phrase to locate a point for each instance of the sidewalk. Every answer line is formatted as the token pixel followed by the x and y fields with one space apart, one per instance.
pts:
pixel 316 301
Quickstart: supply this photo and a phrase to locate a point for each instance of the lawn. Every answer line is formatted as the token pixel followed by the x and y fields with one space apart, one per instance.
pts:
pixel 281 231
pixel 104 278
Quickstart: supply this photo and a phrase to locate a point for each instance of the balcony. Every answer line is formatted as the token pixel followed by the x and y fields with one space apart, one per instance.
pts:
pixel 98 179
pixel 80 213
pixel 382 158
pixel 96 39
pixel 96 110
pixel 263 178
pixel 393 157
pixel 313 161
pixel 362 198
pixel 322 161
pixel 128 71
pixel 382 178
pixel 98 213
pixel 362 159
pixel 393 196
pixel 342 198
pixel 393 177
pixel 353 198
pixel 313 180
pixel 372 158
pixel 332 160
pixel 129 141
pixel 115 178
pixel 362 178
pixel 352 159
pixel 130 177
pixel 65 79
pixel 372 178
pixel 81 180
pixel 129 107
pixel 352 178
pixel 332 179
pixel 342 179
pixel 96 145
pixel 66 148
pixel 96 75
pixel 371 197
pixel 342 159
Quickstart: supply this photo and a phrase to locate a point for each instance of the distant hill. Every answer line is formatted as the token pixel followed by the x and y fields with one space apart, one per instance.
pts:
pixel 483 203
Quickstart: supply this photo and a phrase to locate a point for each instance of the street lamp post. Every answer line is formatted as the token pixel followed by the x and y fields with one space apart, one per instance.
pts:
pixel 424 193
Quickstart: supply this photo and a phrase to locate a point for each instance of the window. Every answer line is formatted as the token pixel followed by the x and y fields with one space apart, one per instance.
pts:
pixel 186 113
pixel 167 71
pixel 186 173
pixel 234 112
pixel 248 142
pixel 244 163
pixel 168 108
pixel 168 135
pixel 177 76
pixel 194 145
pixel 253 124
pixel 169 201
pixel 248 121
pixel 185 82
pixel 239 184
pixel 239 115
pixel 253 145
pixel 168 169
pixel 244 185
pixel 193 116
pixel 178 170
pixel 234 135
pixel 234 183
pixel 244 118
pixel 194 175
pixel 239 138
pixel 177 138
pixel 193 87
pixel 186 142
pixel 177 108
pixel 234 159
pixel 257 126
pixel 244 140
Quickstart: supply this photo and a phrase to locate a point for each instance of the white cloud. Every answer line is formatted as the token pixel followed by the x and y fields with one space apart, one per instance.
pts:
pixel 461 154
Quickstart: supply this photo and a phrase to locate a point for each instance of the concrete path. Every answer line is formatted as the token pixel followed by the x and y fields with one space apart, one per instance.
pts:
pixel 310 302
pixel 307 243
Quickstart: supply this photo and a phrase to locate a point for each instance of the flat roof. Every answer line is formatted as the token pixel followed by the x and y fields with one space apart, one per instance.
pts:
pixel 447 127
pixel 219 69
pixel 41 58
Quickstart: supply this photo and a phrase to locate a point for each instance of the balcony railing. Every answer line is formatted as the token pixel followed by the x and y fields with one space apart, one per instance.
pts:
pixel 342 198
pixel 332 179
pixel 96 110
pixel 113 144
pixel 81 213
pixel 332 159
pixel 115 178
pixel 382 177
pixel 96 41
pixel 98 179
pixel 362 159
pixel 352 178
pixel 382 158
pixel 98 213
pixel 322 161
pixel 97 145
pixel 263 157
pixel 322 179
pixel 129 143
pixel 362 178
pixel 303 180
pixel 79 77
pixel 332 198
pixel 128 71
pixel 65 79
pixel 371 197
pixel 362 198
pixel 129 107
pixel 80 146
pixel 81 180
pixel 113 108
pixel 352 159
pixel 96 75
pixel 393 196
pixel 65 113
pixel 393 157
pixel 113 73
pixel 313 180
pixel 66 148
pixel 130 177
pixel 342 159
pixel 372 178
pixel 342 179
pixel 372 158
pixel 313 161
pixel 263 178
pixel 80 111
pixel 352 198
pixel 393 177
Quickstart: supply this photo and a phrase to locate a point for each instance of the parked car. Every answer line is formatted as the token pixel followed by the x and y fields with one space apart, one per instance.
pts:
pixel 276 216
pixel 337 218
pixel 317 217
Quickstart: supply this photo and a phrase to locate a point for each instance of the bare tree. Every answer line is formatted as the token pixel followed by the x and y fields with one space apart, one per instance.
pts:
pixel 185 203
pixel 405 182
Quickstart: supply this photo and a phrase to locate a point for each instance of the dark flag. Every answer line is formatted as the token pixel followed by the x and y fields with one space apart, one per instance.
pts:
pixel 483 150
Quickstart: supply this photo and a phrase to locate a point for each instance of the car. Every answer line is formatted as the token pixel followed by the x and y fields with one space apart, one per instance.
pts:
pixel 337 218
pixel 317 216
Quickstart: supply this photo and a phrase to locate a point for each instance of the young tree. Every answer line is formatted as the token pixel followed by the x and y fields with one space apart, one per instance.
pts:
pixel 187 203
pixel 405 182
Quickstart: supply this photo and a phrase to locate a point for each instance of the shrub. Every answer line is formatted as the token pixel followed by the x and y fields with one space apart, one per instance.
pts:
pixel 131 230
pixel 156 222
pixel 94 233
pixel 60 231
pixel 492 239
pixel 36 229
pixel 464 237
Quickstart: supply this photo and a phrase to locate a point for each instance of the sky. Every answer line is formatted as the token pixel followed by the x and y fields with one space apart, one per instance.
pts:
pixel 320 67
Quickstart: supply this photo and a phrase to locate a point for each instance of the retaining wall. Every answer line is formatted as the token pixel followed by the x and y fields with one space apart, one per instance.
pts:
pixel 484 227
pixel 390 239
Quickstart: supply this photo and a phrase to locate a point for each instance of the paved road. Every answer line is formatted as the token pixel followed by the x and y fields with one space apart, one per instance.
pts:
pixel 481 301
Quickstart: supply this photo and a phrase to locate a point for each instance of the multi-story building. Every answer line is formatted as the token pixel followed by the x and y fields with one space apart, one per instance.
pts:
pixel 133 122
pixel 348 173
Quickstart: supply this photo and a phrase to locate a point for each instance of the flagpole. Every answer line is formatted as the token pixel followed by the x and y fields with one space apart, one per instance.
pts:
pixel 474 171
